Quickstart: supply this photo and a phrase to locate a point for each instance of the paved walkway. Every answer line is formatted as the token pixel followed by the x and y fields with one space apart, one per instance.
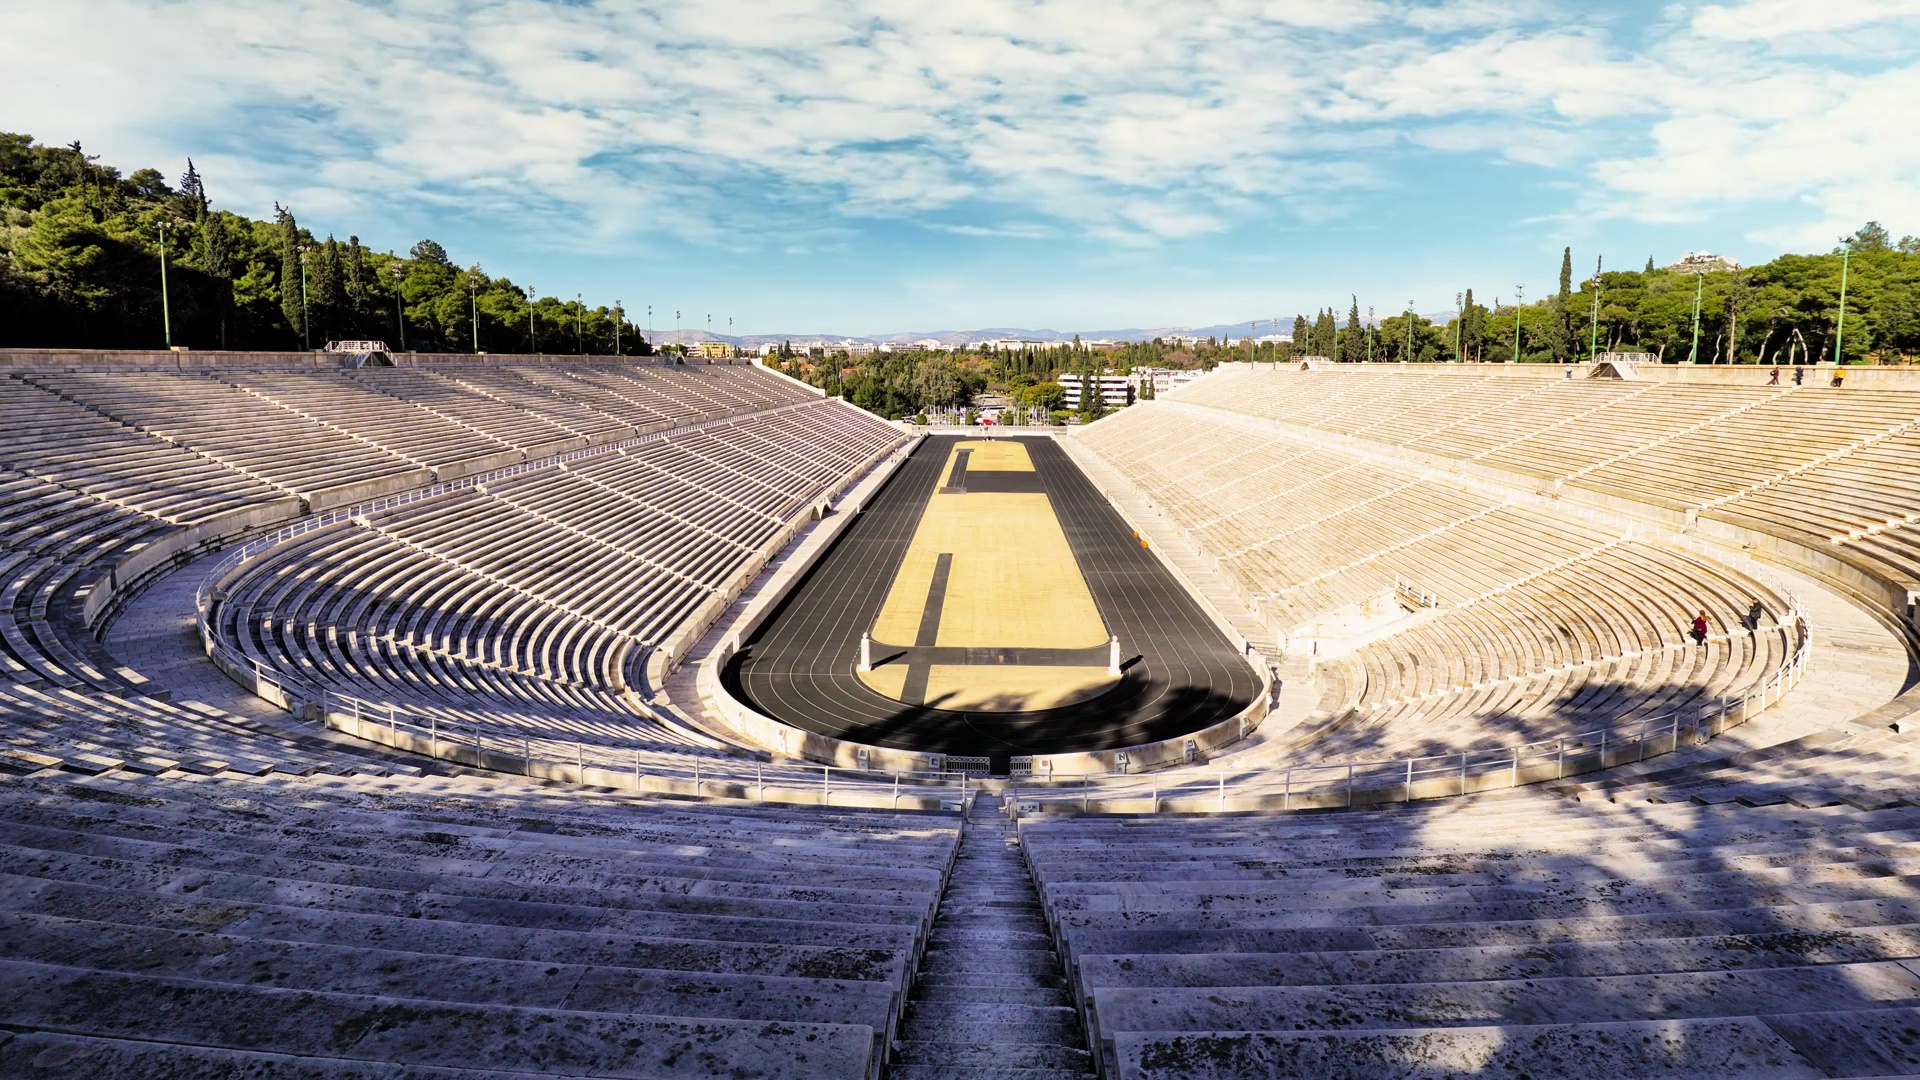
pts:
pixel 155 635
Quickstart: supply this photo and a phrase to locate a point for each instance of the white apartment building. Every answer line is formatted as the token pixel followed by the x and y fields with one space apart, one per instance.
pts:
pixel 1115 390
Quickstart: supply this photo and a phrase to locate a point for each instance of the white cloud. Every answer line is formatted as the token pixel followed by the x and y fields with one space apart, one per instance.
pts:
pixel 1131 120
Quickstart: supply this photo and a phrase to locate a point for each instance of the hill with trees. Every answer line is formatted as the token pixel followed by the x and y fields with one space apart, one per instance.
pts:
pixel 1785 311
pixel 81 261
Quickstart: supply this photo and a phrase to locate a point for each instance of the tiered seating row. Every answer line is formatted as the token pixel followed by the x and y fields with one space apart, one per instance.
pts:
pixel 240 430
pixel 1828 468
pixel 378 927
pixel 522 605
pixel 1516 938
pixel 1548 626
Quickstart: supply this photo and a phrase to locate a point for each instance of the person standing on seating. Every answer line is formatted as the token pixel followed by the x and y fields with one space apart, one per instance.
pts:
pixel 1799 375
pixel 1754 615
pixel 1774 379
pixel 1700 628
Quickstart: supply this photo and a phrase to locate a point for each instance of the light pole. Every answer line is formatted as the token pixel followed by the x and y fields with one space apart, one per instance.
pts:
pixel 1593 338
pixel 619 316
pixel 533 337
pixel 1370 333
pixel 1699 284
pixel 473 299
pixel 1459 316
pixel 650 341
pixel 1409 331
pixel 579 325
pixel 1840 324
pixel 1519 294
pixel 730 343
pixel 399 310
pixel 166 311
pixel 306 318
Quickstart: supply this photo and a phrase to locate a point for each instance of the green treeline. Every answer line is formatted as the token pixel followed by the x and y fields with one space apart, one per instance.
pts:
pixel 80 267
pixel 1786 311
pixel 911 383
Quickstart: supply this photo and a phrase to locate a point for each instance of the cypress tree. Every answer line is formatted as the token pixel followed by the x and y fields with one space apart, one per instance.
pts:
pixel 290 302
pixel 1649 264
pixel 1561 325
pixel 194 193
pixel 1470 324
pixel 324 287
pixel 1353 349
pixel 356 286
pixel 216 250
pixel 1302 336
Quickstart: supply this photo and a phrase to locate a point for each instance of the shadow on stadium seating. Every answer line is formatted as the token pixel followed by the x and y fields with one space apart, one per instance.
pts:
pixel 1623 708
pixel 1720 916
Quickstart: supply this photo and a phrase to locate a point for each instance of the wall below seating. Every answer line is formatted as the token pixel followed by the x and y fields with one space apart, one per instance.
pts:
pixel 162 360
pixel 1859 376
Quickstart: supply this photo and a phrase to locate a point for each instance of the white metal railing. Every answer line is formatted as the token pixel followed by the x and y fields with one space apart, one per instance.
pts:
pixel 1362 782
pixel 467 741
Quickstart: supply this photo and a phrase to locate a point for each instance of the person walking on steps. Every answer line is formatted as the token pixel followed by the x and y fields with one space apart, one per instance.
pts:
pixel 1799 375
pixel 1754 614
pixel 1774 379
pixel 1700 629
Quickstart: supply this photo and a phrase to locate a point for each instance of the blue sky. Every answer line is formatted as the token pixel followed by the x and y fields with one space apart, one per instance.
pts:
pixel 873 166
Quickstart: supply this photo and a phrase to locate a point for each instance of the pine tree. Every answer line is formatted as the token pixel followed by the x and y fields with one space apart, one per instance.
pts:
pixel 290 299
pixel 358 288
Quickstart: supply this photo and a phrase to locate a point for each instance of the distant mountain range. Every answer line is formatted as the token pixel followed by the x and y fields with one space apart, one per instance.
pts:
pixel 950 338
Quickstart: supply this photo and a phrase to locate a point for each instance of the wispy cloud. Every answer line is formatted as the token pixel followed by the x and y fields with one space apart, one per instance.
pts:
pixel 1128 121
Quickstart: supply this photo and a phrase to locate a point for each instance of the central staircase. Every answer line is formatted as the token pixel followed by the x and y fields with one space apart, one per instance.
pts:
pixel 990 1002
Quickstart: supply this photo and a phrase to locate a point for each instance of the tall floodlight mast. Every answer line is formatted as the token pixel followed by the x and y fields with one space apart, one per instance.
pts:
pixel 1519 295
pixel 1593 339
pixel 1840 324
pixel 166 311
pixel 1699 285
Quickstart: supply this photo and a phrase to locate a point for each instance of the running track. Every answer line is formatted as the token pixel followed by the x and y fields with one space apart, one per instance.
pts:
pixel 799 667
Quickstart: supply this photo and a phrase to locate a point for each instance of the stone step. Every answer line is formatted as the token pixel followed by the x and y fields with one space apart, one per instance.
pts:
pixel 423 1033
pixel 990 1053
pixel 1062 1032
pixel 1556 959
pixel 1626 998
pixel 975 937
pixel 1007 995
pixel 1735 1048
pixel 986 960
pixel 982 1072
pixel 1040 979
pixel 48 1054
pixel 1013 1016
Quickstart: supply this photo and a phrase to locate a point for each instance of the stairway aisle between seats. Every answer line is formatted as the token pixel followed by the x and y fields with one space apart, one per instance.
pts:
pixel 990 1002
